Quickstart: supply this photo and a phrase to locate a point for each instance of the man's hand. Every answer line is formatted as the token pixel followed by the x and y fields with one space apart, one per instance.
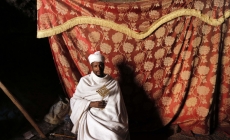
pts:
pixel 97 104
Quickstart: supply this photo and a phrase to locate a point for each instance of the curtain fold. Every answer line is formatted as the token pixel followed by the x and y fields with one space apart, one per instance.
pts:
pixel 171 57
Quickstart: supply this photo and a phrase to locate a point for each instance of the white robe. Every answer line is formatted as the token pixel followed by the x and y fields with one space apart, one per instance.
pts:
pixel 110 123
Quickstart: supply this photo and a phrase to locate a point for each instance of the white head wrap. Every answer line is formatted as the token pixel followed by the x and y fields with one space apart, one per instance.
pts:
pixel 96 57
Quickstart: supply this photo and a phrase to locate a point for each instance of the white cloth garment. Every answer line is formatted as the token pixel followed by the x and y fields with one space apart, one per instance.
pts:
pixel 96 57
pixel 110 123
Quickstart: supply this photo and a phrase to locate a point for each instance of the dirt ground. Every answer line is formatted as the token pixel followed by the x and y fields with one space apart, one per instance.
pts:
pixel 63 129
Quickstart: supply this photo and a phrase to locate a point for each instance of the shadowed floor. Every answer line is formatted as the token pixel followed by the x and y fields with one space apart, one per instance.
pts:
pixel 64 129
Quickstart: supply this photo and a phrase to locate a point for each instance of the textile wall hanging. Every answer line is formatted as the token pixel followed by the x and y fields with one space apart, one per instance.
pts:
pixel 171 57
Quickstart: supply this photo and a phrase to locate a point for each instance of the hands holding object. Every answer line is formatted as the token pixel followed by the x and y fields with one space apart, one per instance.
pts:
pixel 97 104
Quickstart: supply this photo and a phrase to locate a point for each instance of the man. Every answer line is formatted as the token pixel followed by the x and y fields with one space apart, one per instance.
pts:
pixel 98 109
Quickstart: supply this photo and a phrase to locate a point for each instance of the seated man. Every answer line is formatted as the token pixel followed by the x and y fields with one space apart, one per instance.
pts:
pixel 98 109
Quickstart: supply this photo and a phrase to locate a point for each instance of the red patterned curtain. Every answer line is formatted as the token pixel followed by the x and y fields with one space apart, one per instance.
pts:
pixel 171 57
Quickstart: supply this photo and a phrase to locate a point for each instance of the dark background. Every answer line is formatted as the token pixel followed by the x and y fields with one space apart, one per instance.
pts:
pixel 26 67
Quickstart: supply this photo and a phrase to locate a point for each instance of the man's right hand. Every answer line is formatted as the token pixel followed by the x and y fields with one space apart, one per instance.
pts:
pixel 97 104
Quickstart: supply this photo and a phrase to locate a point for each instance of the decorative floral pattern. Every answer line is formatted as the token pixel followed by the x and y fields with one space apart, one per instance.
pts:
pixel 181 57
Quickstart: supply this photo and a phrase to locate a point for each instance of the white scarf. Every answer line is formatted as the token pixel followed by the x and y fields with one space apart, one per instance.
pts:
pixel 95 123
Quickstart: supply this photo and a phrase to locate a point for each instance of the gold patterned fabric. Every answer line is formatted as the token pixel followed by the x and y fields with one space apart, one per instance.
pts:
pixel 103 91
pixel 171 57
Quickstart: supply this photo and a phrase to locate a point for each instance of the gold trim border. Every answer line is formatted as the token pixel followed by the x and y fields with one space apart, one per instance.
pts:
pixel 123 29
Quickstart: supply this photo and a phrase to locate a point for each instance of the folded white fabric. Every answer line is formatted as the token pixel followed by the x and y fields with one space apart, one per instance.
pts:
pixel 96 57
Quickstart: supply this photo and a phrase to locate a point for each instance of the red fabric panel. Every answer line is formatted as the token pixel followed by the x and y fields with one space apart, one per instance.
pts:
pixel 176 66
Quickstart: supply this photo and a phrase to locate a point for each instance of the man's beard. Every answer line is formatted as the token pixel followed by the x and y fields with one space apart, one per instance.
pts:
pixel 99 74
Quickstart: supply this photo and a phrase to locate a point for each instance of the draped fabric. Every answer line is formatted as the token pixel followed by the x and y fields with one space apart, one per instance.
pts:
pixel 109 123
pixel 176 53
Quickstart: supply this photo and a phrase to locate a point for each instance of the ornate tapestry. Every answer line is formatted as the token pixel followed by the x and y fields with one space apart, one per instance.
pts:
pixel 172 58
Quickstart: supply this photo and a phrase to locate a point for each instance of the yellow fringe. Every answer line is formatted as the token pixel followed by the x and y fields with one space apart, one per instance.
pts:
pixel 123 29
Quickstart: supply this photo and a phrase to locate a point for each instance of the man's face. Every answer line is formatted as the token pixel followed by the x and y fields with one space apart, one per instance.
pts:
pixel 98 68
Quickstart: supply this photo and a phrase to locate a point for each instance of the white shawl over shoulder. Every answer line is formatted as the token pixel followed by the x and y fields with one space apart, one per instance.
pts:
pixel 110 123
